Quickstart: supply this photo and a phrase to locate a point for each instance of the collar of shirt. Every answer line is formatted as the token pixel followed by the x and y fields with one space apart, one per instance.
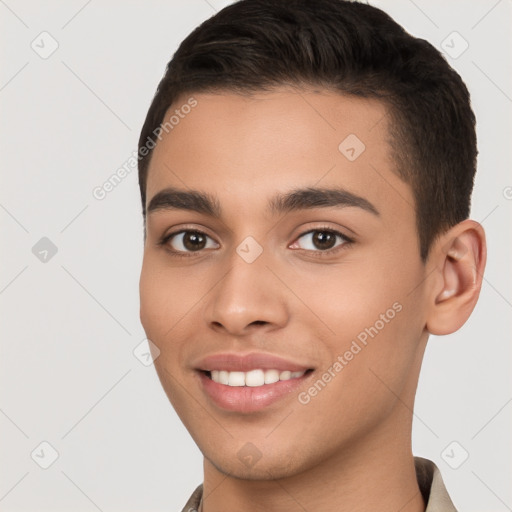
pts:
pixel 429 478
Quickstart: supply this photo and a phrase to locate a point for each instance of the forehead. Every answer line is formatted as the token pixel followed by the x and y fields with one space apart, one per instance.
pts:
pixel 243 148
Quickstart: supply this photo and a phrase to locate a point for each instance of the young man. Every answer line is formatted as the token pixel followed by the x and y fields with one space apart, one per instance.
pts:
pixel 306 175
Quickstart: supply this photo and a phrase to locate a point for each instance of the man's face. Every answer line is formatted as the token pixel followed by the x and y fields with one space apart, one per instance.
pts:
pixel 334 287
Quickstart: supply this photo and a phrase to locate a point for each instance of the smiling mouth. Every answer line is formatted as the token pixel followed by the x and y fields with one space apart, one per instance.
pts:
pixel 253 378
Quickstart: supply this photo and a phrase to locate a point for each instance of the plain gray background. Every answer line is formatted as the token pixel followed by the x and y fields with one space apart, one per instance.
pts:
pixel 70 324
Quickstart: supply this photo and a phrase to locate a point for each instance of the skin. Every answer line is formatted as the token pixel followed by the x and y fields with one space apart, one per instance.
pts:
pixel 350 445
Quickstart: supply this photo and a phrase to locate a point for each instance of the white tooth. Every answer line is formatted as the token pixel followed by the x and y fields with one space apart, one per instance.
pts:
pixel 255 378
pixel 236 379
pixel 271 376
pixel 286 375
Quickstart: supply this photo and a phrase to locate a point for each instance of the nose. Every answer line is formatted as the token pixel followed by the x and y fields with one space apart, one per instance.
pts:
pixel 247 297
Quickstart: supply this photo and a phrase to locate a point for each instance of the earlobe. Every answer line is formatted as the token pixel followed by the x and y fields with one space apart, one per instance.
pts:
pixel 460 257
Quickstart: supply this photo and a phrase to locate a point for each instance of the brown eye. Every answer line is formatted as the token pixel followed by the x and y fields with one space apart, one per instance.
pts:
pixel 321 240
pixel 324 240
pixel 189 241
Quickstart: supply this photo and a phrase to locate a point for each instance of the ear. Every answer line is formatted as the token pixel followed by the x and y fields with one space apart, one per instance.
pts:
pixel 459 257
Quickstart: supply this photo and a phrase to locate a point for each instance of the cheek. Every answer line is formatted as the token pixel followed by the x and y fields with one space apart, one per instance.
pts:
pixel 166 295
pixel 163 309
pixel 164 303
pixel 347 299
pixel 153 302
pixel 373 323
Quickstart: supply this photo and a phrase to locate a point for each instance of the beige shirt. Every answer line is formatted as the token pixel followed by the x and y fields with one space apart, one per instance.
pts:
pixel 429 480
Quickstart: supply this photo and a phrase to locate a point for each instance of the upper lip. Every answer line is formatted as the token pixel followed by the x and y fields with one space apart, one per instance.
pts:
pixel 230 361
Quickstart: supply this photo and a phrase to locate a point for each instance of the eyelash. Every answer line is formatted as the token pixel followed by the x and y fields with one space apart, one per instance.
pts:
pixel 316 253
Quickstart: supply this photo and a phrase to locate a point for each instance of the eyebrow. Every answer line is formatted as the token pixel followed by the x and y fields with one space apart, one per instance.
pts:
pixel 294 200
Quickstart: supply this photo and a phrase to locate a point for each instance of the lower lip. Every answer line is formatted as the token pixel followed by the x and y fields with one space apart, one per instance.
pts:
pixel 249 399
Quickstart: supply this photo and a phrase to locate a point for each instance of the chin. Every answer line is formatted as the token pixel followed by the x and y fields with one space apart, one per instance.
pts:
pixel 260 471
pixel 248 463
